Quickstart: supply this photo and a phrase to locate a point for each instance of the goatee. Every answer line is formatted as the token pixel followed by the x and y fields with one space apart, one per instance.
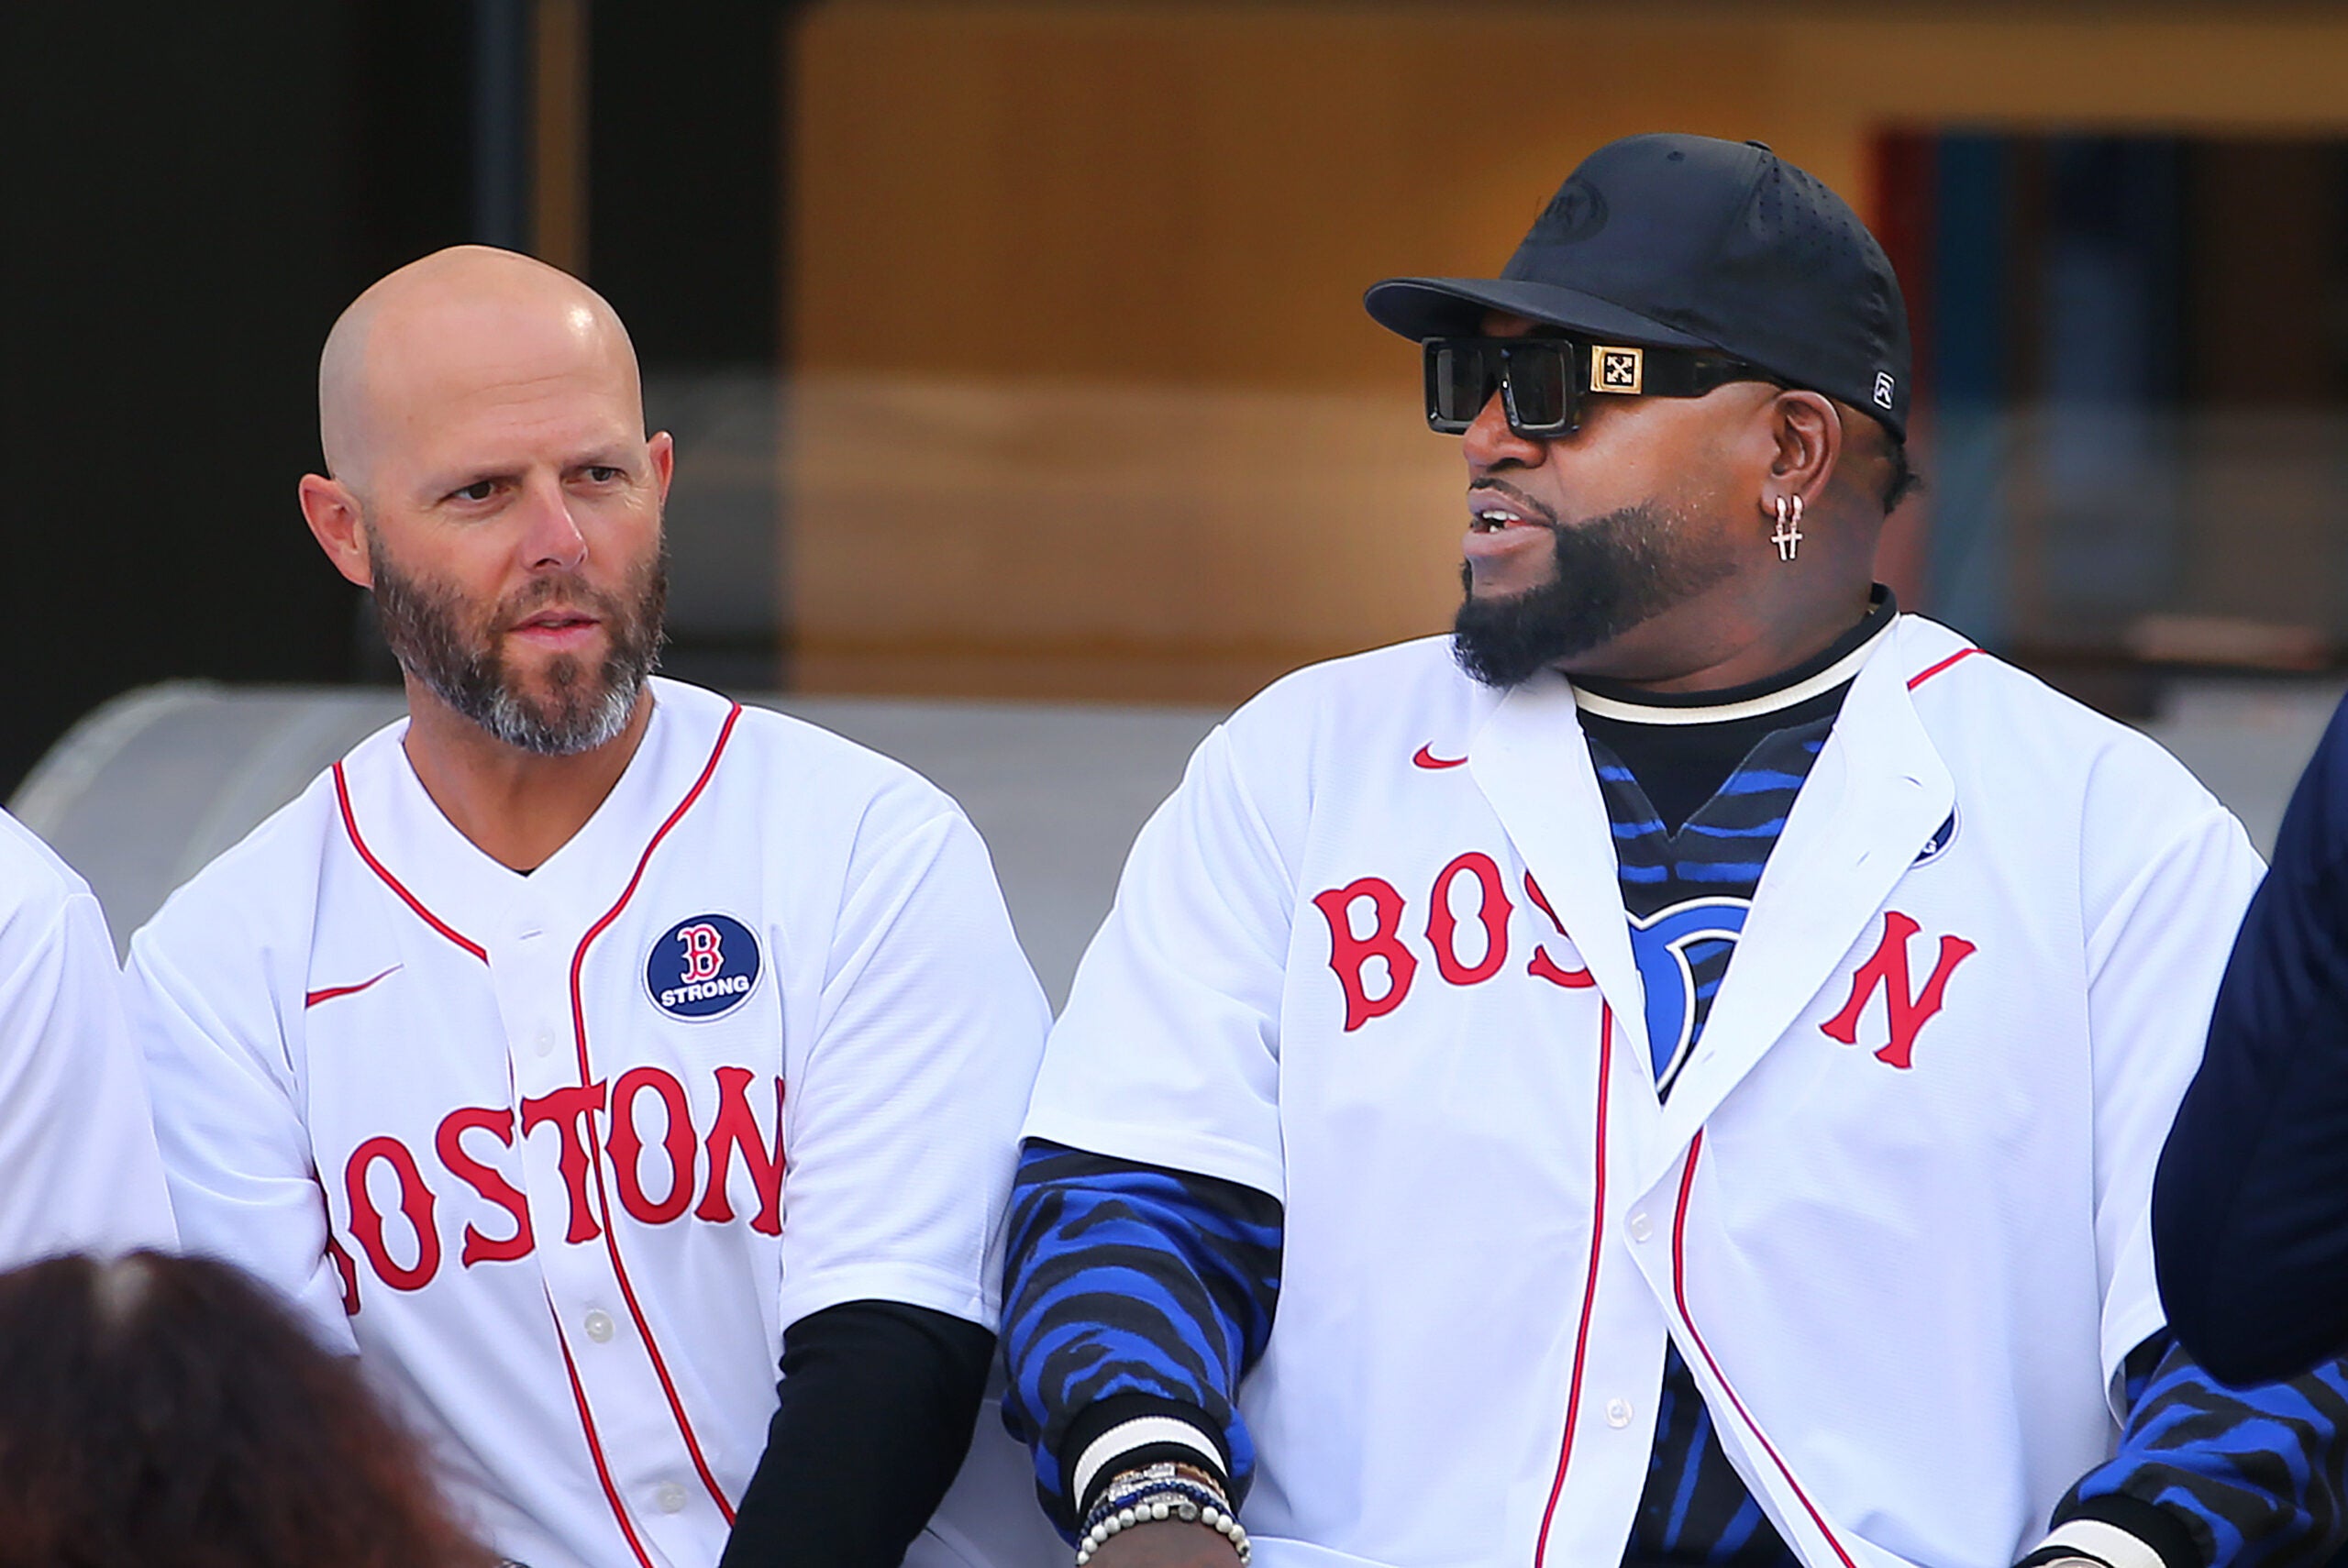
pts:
pixel 1612 572
pixel 580 707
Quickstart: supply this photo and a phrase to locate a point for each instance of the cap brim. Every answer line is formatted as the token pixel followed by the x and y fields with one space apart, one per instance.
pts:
pixel 1419 308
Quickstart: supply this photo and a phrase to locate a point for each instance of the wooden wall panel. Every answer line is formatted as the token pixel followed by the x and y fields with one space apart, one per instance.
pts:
pixel 1087 404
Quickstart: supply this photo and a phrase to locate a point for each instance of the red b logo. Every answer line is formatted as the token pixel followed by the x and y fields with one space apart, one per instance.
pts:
pixel 705 953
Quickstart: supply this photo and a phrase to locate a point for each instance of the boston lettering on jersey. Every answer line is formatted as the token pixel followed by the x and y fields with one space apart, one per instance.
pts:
pixel 654 1188
pixel 1461 961
pixel 1376 964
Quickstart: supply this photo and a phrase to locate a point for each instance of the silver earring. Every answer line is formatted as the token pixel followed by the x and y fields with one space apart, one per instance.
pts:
pixel 1788 538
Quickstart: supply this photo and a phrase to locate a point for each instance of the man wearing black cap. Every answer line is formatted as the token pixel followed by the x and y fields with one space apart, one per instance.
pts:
pixel 1671 1072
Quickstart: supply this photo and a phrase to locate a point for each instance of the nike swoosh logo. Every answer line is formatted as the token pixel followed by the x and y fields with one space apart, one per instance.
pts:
pixel 1425 757
pixel 313 999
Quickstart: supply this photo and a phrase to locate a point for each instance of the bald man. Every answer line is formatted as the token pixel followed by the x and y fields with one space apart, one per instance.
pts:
pixel 584 1047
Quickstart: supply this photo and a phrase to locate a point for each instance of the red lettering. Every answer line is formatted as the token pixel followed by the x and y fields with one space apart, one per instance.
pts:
pixel 627 1145
pixel 1542 967
pixel 567 1109
pixel 347 1271
pixel 1906 1012
pixel 1492 910
pixel 737 1128
pixel 416 1203
pixel 1350 955
pixel 486 1180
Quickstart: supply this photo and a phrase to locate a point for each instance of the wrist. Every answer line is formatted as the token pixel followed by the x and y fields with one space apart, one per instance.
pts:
pixel 2116 1530
pixel 1167 1492
pixel 1129 1430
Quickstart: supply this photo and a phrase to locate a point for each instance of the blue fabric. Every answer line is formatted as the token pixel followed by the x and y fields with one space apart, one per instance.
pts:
pixel 2254 1474
pixel 2250 1209
pixel 1126 1280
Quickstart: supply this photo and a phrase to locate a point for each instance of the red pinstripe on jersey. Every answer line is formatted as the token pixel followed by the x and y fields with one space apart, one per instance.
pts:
pixel 351 826
pixel 595 1442
pixel 1679 1296
pixel 1916 680
pixel 586 1076
pixel 1589 1283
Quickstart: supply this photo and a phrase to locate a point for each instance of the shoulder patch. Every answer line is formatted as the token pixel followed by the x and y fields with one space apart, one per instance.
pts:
pixel 702 968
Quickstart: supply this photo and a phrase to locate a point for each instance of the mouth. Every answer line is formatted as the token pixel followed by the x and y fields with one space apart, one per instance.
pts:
pixel 1491 519
pixel 1508 534
pixel 1492 509
pixel 555 628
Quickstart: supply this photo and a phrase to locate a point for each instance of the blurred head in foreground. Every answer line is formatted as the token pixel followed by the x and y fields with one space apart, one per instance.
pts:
pixel 163 1412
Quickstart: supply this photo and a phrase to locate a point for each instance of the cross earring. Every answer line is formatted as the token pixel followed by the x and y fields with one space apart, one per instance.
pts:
pixel 1788 538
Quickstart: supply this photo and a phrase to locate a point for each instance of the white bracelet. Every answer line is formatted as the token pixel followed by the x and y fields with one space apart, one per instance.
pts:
pixel 1156 1492
pixel 1149 1510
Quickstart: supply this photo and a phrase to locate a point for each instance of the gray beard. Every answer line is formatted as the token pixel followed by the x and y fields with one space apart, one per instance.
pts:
pixel 421 622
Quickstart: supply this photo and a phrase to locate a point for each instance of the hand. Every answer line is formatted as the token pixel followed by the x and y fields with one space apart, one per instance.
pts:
pixel 1166 1543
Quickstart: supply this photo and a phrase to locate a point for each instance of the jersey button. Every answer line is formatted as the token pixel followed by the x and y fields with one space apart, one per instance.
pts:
pixel 670 1497
pixel 1640 1226
pixel 598 1326
pixel 546 1041
pixel 1618 1412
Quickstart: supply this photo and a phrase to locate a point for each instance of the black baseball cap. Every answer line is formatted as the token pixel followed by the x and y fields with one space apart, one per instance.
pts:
pixel 1685 242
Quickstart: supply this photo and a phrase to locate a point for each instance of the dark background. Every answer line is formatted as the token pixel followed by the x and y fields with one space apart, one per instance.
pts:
pixel 197 191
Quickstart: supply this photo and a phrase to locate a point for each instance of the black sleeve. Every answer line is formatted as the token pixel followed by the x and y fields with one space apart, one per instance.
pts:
pixel 2250 1207
pixel 877 1401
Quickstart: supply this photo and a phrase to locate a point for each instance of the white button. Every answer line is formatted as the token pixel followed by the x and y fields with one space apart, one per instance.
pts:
pixel 1640 1226
pixel 1618 1412
pixel 670 1497
pixel 546 1041
pixel 599 1328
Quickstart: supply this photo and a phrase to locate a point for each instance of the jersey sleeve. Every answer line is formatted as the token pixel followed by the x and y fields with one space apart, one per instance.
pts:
pixel 903 1122
pixel 1168 1052
pixel 2156 950
pixel 234 1146
pixel 75 1133
pixel 2249 1212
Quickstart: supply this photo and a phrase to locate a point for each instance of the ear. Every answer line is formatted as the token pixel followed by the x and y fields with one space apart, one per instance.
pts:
pixel 332 512
pixel 663 448
pixel 1806 431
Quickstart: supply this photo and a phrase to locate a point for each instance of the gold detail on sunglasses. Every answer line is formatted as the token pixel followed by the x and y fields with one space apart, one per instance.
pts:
pixel 1617 370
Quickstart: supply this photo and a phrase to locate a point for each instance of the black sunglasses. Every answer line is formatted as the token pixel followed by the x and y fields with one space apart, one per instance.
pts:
pixel 1541 381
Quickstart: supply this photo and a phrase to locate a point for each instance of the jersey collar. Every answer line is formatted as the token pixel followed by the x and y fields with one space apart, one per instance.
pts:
pixel 1836 665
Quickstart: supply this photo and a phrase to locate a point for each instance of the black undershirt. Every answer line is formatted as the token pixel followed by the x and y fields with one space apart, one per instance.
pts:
pixel 877 1404
pixel 1681 766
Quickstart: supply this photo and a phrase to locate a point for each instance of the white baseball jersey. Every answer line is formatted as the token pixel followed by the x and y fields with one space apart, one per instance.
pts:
pixel 562 1154
pixel 82 1174
pixel 1372 958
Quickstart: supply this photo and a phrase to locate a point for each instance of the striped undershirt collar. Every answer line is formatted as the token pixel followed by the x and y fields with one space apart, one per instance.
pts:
pixel 1802 690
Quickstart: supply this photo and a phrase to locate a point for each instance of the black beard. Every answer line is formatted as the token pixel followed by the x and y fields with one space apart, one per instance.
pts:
pixel 1613 573
pixel 423 622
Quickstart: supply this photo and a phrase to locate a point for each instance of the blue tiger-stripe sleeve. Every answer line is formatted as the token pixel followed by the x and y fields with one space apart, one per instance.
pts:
pixel 1135 1283
pixel 2254 1476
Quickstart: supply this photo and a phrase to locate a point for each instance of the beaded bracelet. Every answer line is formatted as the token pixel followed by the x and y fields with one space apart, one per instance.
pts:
pixel 1142 1478
pixel 1159 1492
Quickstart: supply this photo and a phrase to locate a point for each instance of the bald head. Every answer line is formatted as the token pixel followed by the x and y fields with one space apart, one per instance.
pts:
pixel 460 325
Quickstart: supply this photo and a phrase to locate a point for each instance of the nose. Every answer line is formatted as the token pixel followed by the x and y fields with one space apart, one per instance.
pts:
pixel 552 539
pixel 1488 442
